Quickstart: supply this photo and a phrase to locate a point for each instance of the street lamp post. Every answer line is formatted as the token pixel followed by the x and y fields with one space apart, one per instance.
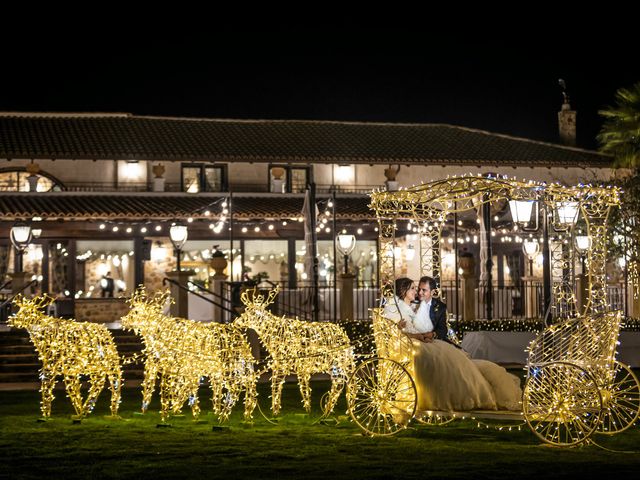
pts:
pixel 531 249
pixel 346 244
pixel 178 234
pixel 20 237
pixel 583 243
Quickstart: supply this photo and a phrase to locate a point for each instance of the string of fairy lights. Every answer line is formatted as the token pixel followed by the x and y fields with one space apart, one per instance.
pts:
pixel 574 388
pixel 300 348
pixel 72 350
pixel 182 352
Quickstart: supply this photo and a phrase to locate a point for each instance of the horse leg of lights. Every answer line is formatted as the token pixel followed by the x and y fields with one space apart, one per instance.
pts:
pixel 115 385
pixel 337 384
pixel 48 382
pixel 277 380
pixel 149 382
pixel 96 383
pixel 250 397
pixel 305 389
pixel 166 381
pixel 73 386
pixel 194 401
pixel 216 393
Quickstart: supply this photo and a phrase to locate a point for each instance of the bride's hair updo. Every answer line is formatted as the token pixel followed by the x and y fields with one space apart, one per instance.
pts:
pixel 403 285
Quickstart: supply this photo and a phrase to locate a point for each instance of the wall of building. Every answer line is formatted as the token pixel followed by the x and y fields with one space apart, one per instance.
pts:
pixel 102 310
pixel 346 176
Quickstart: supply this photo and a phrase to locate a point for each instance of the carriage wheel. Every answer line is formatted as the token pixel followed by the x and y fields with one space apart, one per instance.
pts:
pixel 621 401
pixel 562 403
pixel 381 396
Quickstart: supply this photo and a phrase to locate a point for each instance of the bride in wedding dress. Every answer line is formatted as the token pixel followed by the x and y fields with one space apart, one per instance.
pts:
pixel 446 377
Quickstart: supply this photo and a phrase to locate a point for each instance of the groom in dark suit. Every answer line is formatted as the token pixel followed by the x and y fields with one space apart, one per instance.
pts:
pixel 437 309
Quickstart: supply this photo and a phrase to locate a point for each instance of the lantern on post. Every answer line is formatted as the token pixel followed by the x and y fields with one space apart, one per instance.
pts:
pixel 346 244
pixel 20 237
pixel 178 234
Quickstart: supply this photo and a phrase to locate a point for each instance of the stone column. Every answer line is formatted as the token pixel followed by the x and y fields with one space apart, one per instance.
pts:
pixel 634 300
pixel 180 307
pixel 19 280
pixel 346 296
pixel 582 292
pixel 635 305
pixel 216 284
pixel 468 264
pixel 218 263
pixel 530 297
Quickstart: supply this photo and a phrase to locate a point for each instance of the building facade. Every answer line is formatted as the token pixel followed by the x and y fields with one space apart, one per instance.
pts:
pixel 104 189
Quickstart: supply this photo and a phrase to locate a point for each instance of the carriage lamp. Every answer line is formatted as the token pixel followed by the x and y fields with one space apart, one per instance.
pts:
pixel 521 210
pixel 567 213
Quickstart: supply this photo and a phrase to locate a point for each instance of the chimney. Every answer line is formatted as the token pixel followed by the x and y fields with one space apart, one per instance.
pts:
pixel 566 119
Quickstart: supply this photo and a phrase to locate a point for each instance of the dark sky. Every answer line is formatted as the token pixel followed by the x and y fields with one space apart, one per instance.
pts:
pixel 498 84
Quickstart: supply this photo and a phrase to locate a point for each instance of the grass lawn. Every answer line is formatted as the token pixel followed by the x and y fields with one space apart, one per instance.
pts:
pixel 295 447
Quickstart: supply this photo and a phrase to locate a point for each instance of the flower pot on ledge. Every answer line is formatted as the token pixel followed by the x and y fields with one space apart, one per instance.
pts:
pixel 218 264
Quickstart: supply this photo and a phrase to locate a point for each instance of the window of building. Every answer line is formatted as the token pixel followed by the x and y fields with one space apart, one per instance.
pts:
pixel 265 260
pixel 104 268
pixel 19 180
pixel 362 262
pixel 198 177
pixel 288 179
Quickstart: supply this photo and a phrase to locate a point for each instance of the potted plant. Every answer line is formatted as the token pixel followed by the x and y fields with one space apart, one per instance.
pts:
pixel 390 173
pixel 217 261
pixel 277 182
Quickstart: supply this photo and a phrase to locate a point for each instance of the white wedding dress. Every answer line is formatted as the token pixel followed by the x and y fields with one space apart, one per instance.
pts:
pixel 446 377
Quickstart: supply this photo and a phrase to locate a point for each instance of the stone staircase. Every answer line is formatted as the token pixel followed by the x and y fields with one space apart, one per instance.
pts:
pixel 19 361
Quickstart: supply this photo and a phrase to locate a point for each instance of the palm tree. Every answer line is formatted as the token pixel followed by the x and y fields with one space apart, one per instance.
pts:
pixel 620 137
pixel 620 133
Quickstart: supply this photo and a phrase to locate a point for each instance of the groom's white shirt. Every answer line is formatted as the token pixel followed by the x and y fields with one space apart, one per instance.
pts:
pixel 422 322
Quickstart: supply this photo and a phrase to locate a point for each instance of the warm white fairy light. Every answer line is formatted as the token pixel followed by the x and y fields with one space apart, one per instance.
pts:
pixel 73 350
pixel 558 396
pixel 297 347
pixel 182 352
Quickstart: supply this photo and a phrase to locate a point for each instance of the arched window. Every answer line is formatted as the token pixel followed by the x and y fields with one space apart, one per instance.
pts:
pixel 16 179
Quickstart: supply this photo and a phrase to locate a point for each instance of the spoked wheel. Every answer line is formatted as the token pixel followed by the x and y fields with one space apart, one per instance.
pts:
pixel 621 401
pixel 381 396
pixel 562 403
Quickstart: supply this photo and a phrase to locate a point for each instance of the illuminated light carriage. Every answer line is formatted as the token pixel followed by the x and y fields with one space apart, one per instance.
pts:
pixel 574 387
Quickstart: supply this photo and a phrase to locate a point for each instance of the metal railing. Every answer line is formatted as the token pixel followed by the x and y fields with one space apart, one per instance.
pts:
pixel 228 313
pixel 177 187
pixel 297 302
pixel 7 304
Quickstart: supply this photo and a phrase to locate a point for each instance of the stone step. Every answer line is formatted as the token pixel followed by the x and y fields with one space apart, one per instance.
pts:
pixel 13 339
pixel 18 358
pixel 20 377
pixel 19 367
pixel 17 349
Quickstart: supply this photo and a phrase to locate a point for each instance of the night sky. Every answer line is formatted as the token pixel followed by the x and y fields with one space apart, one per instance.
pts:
pixel 496 84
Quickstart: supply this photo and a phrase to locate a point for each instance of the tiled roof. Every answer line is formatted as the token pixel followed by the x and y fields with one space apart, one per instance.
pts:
pixel 122 137
pixel 163 206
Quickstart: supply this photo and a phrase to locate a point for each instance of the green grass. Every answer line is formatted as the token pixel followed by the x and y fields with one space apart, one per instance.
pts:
pixel 295 447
